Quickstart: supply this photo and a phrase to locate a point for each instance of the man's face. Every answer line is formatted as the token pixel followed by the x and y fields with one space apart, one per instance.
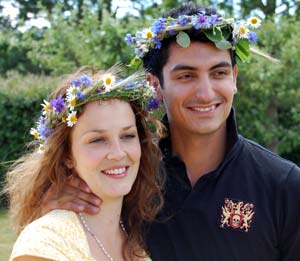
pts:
pixel 199 85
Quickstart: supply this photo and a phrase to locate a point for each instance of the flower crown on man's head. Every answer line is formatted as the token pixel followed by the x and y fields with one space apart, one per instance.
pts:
pixel 64 109
pixel 216 28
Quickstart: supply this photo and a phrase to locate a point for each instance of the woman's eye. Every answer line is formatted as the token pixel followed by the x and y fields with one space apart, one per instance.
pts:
pixel 129 136
pixel 95 140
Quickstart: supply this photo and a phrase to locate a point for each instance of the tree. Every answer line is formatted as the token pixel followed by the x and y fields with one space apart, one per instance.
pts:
pixel 269 94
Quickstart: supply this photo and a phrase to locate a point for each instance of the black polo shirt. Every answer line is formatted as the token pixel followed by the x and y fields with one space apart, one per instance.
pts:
pixel 248 209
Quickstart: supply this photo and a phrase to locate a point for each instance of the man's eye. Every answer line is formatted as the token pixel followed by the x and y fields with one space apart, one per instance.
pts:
pixel 185 76
pixel 220 73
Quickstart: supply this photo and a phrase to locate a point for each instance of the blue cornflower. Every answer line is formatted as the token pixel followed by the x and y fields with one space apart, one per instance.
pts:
pixel 158 26
pixel 44 131
pixel 129 39
pixel 157 43
pixel 153 104
pixel 80 95
pixel 58 104
pixel 86 80
pixel 252 37
pixel 183 20
pixel 76 82
pixel 130 85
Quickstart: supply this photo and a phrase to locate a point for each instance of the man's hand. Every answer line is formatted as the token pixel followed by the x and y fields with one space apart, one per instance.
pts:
pixel 76 197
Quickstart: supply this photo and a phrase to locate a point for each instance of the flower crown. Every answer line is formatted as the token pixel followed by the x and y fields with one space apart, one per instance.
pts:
pixel 216 28
pixel 64 109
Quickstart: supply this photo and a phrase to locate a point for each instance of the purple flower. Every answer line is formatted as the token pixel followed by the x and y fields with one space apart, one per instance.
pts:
pixel 153 104
pixel 129 39
pixel 58 104
pixel 252 37
pixel 214 19
pixel 201 21
pixel 158 26
pixel 42 120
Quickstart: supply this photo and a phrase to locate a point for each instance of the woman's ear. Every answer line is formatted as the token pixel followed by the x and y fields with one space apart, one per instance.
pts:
pixel 153 80
pixel 69 163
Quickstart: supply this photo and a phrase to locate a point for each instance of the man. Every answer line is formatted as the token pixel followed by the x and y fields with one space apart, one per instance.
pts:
pixel 226 197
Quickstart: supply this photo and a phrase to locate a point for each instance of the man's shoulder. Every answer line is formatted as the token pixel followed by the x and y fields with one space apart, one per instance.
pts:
pixel 266 160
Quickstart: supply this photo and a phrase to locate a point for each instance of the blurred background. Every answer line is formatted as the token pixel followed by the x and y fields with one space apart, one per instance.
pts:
pixel 42 40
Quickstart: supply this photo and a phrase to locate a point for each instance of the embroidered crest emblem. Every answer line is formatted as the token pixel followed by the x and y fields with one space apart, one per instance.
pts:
pixel 237 215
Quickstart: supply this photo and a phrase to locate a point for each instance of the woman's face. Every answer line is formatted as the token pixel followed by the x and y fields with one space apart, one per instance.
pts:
pixel 106 149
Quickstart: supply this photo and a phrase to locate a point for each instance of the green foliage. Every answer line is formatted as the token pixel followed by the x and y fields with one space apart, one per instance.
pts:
pixel 7 236
pixel 20 104
pixel 269 94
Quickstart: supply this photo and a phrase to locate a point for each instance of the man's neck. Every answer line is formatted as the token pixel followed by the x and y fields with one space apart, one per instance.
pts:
pixel 200 153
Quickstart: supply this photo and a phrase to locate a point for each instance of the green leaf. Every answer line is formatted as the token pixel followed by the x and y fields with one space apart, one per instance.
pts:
pixel 183 39
pixel 243 50
pixel 223 44
pixel 215 35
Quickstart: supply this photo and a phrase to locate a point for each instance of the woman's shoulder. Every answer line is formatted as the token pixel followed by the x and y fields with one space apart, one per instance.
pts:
pixel 58 232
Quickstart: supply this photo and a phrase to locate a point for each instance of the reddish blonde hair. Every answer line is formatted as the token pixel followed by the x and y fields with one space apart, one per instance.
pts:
pixel 31 176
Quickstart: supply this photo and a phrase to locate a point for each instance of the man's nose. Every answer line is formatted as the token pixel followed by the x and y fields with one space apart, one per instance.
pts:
pixel 204 89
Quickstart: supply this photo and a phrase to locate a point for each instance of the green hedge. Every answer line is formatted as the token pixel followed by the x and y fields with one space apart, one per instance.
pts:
pixel 20 105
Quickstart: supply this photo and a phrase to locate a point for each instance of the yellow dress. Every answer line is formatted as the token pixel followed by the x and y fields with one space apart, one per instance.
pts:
pixel 58 235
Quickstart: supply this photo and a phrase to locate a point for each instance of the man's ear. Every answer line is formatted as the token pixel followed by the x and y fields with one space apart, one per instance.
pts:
pixel 153 80
pixel 235 74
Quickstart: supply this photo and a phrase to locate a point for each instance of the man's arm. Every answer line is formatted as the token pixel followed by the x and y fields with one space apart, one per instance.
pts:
pixel 290 217
pixel 76 196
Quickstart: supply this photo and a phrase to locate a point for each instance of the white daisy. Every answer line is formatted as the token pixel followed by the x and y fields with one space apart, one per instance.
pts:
pixel 255 22
pixel 72 119
pixel 34 132
pixel 108 81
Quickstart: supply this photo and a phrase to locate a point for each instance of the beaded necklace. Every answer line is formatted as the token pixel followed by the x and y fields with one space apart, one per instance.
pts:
pixel 97 239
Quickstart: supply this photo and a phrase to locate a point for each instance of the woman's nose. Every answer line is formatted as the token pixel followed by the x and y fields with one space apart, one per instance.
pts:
pixel 116 151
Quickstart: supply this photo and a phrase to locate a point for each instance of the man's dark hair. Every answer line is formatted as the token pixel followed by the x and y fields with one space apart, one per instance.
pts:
pixel 155 59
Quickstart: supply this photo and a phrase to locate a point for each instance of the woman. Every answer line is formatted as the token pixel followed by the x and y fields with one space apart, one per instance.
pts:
pixel 95 127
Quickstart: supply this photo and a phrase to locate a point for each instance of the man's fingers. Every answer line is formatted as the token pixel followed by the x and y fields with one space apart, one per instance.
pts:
pixel 78 183
pixel 88 198
pixel 83 206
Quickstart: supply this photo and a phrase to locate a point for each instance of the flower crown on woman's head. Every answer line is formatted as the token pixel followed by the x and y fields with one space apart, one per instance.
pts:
pixel 216 28
pixel 64 109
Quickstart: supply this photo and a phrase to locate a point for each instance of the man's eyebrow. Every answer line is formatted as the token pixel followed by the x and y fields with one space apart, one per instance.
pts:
pixel 221 64
pixel 180 67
